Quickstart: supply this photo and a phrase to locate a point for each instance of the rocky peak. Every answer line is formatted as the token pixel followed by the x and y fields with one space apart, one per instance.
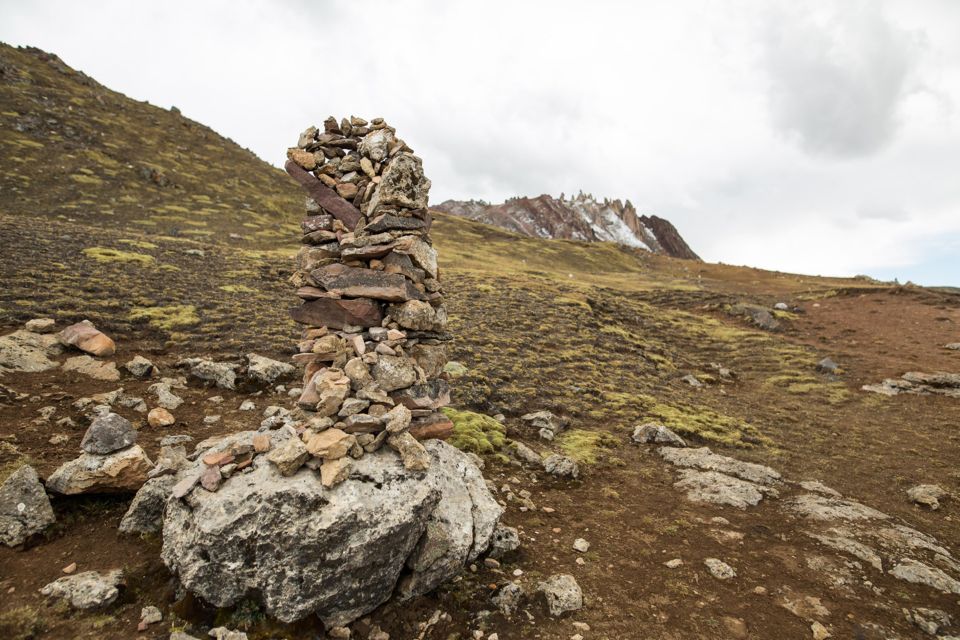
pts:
pixel 579 217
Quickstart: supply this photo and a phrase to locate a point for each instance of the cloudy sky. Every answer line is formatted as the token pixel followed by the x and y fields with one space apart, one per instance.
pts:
pixel 816 137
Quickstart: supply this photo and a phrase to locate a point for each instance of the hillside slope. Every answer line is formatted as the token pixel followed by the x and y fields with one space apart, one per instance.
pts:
pixel 581 217
pixel 599 333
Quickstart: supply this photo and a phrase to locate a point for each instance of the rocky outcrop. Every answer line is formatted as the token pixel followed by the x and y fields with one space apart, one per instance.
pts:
pixel 302 548
pixel 581 217
pixel 917 383
pixel 26 351
pixel 87 590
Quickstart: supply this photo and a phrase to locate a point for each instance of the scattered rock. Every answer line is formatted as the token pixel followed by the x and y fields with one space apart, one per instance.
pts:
pixel 149 615
pixel 507 600
pixel 562 594
pixel 927 495
pixel 561 466
pixel 706 460
pixel 917 572
pixel 290 456
pixel 653 433
pixel 40 325
pixel 87 590
pixel 221 374
pixel 719 569
pixel 673 564
pixel 93 368
pixel 692 380
pixel 24 507
pixel 108 433
pixel 523 453
pixel 827 365
pixel 953 346
pixel 165 396
pixel 930 621
pixel 581 545
pixel 505 540
pixel 717 488
pixel 160 417
pixel 819 631
pixel 548 425
pixel 88 338
pixel 140 367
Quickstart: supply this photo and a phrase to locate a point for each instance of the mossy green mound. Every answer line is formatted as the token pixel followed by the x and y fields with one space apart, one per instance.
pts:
pixel 475 432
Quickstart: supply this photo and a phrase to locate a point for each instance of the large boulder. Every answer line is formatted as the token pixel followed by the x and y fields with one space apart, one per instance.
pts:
pixel 267 370
pixel 24 507
pixel 108 433
pixel 301 548
pixel 86 337
pixel 28 351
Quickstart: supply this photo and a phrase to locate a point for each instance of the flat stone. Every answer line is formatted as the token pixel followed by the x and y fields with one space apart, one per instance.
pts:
pixel 87 590
pixel 25 351
pixel 927 495
pixel 390 222
pixel 166 398
pixel 712 487
pixel 123 471
pixel 331 444
pixel 422 254
pixel 289 456
pixel 221 374
pixel 333 472
pixel 413 454
pixel 402 184
pixel 140 367
pixel 40 325
pixel 337 314
pixel 365 283
pixel 324 196
pixel 706 460
pixel 910 570
pixel 160 417
pixel 24 507
pixel 108 433
pixel 95 369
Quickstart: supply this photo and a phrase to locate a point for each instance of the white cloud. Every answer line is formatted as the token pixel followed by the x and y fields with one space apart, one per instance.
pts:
pixel 775 137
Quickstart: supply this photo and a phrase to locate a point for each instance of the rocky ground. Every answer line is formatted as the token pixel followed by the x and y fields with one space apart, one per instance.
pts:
pixel 603 338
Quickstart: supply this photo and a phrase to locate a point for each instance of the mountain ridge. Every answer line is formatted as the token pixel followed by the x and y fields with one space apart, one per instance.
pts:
pixel 581 217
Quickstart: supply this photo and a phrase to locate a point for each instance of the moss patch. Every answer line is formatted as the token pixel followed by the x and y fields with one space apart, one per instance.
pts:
pixel 704 423
pixel 105 254
pixel 586 447
pixel 166 318
pixel 475 432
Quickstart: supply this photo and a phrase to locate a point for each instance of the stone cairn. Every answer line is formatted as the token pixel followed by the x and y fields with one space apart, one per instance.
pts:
pixel 372 305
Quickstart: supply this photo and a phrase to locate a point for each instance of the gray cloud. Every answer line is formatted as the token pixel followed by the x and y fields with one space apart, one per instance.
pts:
pixel 837 78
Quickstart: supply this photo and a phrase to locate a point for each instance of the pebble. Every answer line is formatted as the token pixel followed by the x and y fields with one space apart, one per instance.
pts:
pixel 673 564
pixel 70 568
pixel 491 563
pixel 720 569
pixel 581 545
pixel 211 419
pixel 341 633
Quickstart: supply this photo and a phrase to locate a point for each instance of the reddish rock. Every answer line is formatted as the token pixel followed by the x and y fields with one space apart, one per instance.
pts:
pixel 365 283
pixel 335 314
pixel 439 428
pixel 326 197
pixel 86 337
pixel 261 443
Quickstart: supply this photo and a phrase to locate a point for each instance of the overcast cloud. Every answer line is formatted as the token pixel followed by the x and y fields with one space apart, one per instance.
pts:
pixel 817 137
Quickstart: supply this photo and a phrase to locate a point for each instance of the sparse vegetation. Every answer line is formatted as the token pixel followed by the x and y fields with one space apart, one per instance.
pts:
pixel 475 432
pixel 104 254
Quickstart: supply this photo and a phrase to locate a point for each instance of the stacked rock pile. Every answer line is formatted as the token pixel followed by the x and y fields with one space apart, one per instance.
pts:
pixel 372 304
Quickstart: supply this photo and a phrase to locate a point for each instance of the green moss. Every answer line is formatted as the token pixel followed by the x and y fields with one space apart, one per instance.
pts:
pixel 85 179
pixel 704 423
pixel 105 254
pixel 475 432
pixel 585 446
pixel 166 318
pixel 139 244
pixel 486 288
pixel 22 623
pixel 237 288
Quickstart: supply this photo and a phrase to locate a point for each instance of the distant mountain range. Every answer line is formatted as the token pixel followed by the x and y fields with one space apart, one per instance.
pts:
pixel 581 217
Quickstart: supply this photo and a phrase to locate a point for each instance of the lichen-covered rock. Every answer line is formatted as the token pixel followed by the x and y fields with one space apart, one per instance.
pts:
pixel 24 507
pixel 562 594
pixel 402 184
pixel 145 514
pixel 561 466
pixel 221 374
pixel 267 370
pixel 26 351
pixel 87 590
pixel 300 548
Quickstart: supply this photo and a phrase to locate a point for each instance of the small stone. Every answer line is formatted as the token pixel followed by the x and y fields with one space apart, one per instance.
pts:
pixel 719 569
pixel 491 563
pixel 289 456
pixel 333 472
pixel 339 633
pixel 760 591
pixel 247 405
pixel 87 590
pixel 331 444
pixel 581 545
pixel 414 456
pixel 673 564
pixel 140 367
pixel 505 539
pixel 692 380
pixel 160 417
pixel 70 568
pixel 819 631
pixel 562 594
pixel 736 626
pixel 927 495
pixel 211 419
pixel 561 466
pixel 827 365
pixel 266 370
pixel 211 478
pixel 261 443
pixel 95 369
pixel 150 615
pixel 108 433
pixel 397 419
pixel 654 433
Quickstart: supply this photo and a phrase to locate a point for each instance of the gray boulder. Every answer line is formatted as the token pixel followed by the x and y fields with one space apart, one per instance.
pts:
pixel 108 433
pixel 561 466
pixel 221 374
pixel 927 495
pixel 653 433
pixel 562 594
pixel 87 590
pixel 267 370
pixel 24 507
pixel 300 548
